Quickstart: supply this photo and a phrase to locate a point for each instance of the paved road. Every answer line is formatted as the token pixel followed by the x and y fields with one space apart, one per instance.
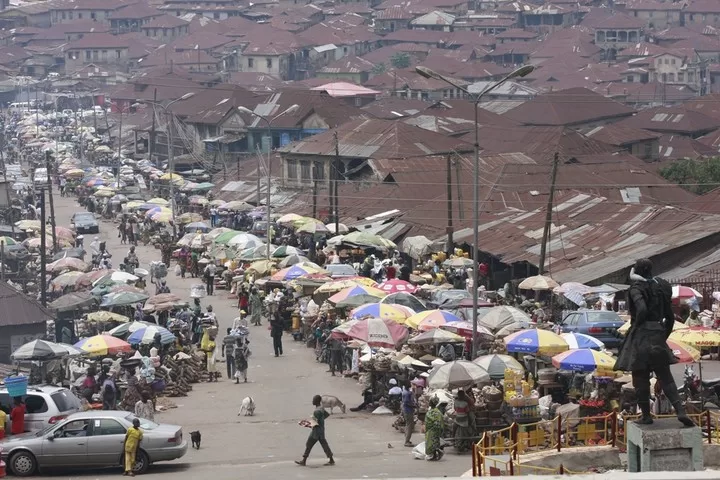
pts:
pixel 264 446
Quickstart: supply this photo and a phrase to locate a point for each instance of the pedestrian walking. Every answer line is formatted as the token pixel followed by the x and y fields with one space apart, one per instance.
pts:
pixel 242 354
pixel 209 277
pixel 228 353
pixel 133 437
pixel 337 352
pixel 276 332
pixel 256 306
pixel 408 409
pixel 317 434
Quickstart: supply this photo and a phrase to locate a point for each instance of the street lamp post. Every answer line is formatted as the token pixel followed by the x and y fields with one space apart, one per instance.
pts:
pixel 171 149
pixel 268 122
pixel 476 98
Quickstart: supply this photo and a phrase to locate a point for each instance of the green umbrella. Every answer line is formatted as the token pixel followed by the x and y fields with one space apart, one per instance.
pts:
pixel 366 239
pixel 122 298
pixel 223 238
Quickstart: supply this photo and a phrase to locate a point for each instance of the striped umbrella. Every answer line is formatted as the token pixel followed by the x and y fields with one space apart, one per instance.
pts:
pixel 146 336
pixel 457 374
pixel 346 293
pixel 683 352
pixel 535 341
pixel 101 345
pixel 126 328
pixel 580 340
pixel 676 326
pixel 431 319
pixel 396 285
pixel 697 337
pixel 584 360
pixel 379 332
pixel 294 272
pixel 381 310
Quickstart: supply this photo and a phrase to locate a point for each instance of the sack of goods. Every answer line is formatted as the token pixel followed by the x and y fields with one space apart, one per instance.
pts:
pixel 198 291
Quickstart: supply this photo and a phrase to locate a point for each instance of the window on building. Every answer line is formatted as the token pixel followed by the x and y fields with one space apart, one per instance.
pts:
pixel 292 173
pixel 251 63
pixel 63 15
pixel 318 171
pixel 80 16
pixel 305 170
pixel 118 54
pixel 268 62
pixel 358 102
pixel 96 55
pixel 671 77
pixel 70 15
pixel 691 76
pixel 93 15
pixel 672 61
pixel 216 16
pixel 88 55
pixel 681 77
pixel 667 61
pixel 648 150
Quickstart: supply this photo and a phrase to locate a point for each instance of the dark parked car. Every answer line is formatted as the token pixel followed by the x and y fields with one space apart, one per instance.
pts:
pixel 601 324
pixel 85 222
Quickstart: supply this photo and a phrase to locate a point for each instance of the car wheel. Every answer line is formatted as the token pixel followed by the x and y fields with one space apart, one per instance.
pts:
pixel 23 464
pixel 142 462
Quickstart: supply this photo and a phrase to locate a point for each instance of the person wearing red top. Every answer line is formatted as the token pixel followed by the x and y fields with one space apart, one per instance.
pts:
pixel 17 417
pixel 390 271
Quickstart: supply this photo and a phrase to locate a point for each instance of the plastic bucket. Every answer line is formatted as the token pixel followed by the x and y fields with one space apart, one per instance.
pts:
pixel 16 386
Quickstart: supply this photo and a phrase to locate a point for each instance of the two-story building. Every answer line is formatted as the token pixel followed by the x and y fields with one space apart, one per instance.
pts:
pixel 272 58
pixel 617 32
pixel 165 27
pixel 96 48
pixel 549 18
pixel 677 67
pixel 394 18
pixel 132 17
pixel 656 14
pixel 96 10
pixel 641 143
pixel 435 20
pixel 702 12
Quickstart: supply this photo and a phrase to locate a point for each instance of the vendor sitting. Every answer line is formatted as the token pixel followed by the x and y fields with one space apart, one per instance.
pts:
pixel 394 397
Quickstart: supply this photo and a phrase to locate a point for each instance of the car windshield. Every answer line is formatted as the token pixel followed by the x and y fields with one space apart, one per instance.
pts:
pixel 65 401
pixel 145 424
pixel 84 217
pixel 603 316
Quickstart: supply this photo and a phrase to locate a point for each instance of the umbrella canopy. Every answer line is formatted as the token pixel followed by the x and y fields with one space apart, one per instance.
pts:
pixel 198 200
pixel 286 251
pixel 294 272
pixel 683 352
pixel 538 283
pixel 289 219
pixel 189 217
pixel 497 318
pixel 584 360
pixel 497 364
pixel 291 260
pixel 28 225
pixel 194 240
pixel 466 328
pixel 194 227
pixel 158 201
pixel 356 301
pixel 216 232
pixel 626 326
pixel 458 262
pixel 225 236
pixel 254 253
pixel 431 319
pixel 68 263
pixel 313 228
pixel 381 310
pixel 244 240
pixel 379 332
pixel 122 298
pixel 366 239
pixel 697 337
pixel 117 277
pixel 39 350
pixel 69 252
pixel 406 300
pixel 126 328
pixel 436 337
pixel 236 206
pixel 146 336
pixel 341 228
pixel 336 286
pixel 67 279
pixel 87 280
pixel 101 345
pixel 262 267
pixel 343 329
pixel 681 291
pixel 457 374
pixel 579 340
pixel 535 341
pixel 73 301
pixel 104 316
pixel 396 285
pixel 355 291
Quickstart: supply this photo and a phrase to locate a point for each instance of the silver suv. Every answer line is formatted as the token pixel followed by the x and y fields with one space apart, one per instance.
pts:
pixel 45 405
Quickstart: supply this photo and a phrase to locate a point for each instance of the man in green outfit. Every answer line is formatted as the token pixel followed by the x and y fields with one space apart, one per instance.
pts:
pixel 318 432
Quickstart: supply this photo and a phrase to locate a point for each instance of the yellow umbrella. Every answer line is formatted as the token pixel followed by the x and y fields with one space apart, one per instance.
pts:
pixel 133 204
pixel 75 173
pixel 535 341
pixel 104 316
pixel 263 267
pixel 162 216
pixel 174 177
pixel 334 287
pixel 697 337
pixel 676 326
pixel 104 192
pixel 28 225
pixel 158 201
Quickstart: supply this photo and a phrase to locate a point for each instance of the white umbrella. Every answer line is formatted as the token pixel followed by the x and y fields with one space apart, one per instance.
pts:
pixel 497 364
pixel 498 318
pixel 245 240
pixel 342 228
pixel 457 374
pixel 538 282
pixel 580 340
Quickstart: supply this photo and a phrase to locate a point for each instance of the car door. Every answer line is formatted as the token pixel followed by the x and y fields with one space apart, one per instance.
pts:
pixel 36 412
pixel 570 323
pixel 66 445
pixel 106 442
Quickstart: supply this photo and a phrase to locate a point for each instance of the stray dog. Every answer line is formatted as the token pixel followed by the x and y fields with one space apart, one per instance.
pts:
pixel 196 438
pixel 331 402
pixel 247 407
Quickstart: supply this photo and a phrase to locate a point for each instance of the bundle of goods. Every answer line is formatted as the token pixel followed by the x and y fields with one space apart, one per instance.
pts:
pixel 519 395
pixel 382 362
pixel 198 291
pixel 158 270
pixel 182 370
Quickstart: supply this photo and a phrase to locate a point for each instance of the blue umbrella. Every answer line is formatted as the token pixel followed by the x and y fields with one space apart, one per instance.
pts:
pixel 147 335
pixel 580 340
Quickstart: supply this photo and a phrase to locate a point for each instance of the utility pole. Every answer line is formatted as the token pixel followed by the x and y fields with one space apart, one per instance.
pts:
pixel 314 199
pixel 52 203
pixel 151 140
pixel 548 215
pixel 461 211
pixel 43 250
pixel 259 160
pixel 449 229
pixel 336 161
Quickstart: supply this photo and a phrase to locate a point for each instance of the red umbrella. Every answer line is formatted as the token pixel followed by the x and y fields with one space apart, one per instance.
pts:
pixel 379 332
pixel 465 329
pixel 395 286
pixel 681 291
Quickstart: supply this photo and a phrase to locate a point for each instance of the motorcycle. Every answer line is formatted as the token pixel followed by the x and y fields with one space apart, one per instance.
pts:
pixel 707 392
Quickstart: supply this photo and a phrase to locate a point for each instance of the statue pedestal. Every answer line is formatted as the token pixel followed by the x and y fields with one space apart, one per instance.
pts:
pixel 664 446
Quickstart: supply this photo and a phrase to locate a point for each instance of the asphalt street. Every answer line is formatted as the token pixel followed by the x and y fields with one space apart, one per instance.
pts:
pixel 265 445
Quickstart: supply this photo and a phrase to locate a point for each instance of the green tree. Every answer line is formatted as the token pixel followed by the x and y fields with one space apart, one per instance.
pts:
pixel 696 176
pixel 379 68
pixel 400 60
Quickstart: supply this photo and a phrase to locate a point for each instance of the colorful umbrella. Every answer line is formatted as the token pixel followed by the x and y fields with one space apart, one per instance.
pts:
pixel 458 262
pixel 697 337
pixel 584 360
pixel 466 328
pixel 457 374
pixel 294 272
pixel 497 364
pixel 289 219
pixel 158 201
pixel 126 328
pixel 194 240
pixel 676 326
pixel 95 182
pixel 436 337
pixel 216 232
pixel 381 310
pixel 538 283
pixel 197 226
pixel 87 280
pixel 285 251
pixel 579 340
pixel 68 263
pixel 366 239
pixel 101 345
pixel 67 279
pixel 357 300
pixel 122 298
pixel 431 319
pixel 396 286
pixel 39 350
pixel 683 352
pixel 174 177
pixel 406 300
pixel 314 227
pixel 292 260
pixel 354 291
pixel 535 341
pixel 504 317
pixel 343 329
pixel 379 332
pixel 103 316
pixel 681 291
pixel 244 240
pixel 236 206
pixel 146 336
pixel 189 217
pixel 254 253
